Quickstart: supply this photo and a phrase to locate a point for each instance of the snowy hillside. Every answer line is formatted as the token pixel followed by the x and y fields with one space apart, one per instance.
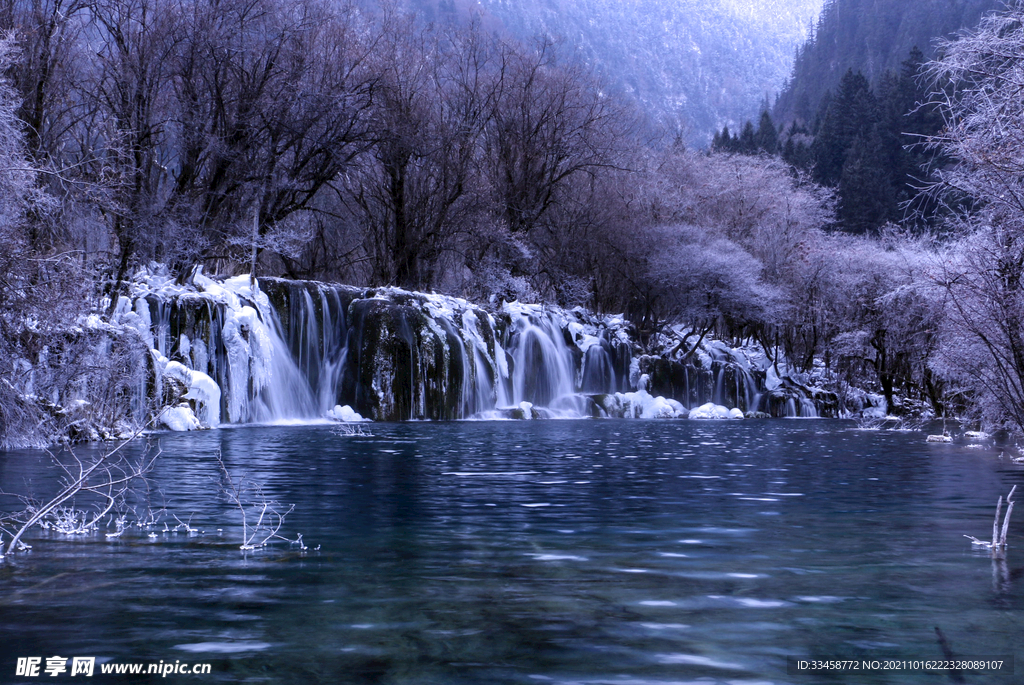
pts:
pixel 693 65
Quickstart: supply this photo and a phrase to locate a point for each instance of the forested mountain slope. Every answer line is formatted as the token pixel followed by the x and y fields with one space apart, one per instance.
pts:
pixel 692 65
pixel 872 37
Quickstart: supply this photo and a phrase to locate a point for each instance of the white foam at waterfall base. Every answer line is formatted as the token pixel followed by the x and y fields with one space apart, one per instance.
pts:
pixel 642 405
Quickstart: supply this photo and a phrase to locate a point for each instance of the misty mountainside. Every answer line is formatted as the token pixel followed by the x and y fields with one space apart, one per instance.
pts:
pixel 691 65
pixel 871 37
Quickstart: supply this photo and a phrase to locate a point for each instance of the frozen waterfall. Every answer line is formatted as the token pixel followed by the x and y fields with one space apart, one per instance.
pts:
pixel 234 351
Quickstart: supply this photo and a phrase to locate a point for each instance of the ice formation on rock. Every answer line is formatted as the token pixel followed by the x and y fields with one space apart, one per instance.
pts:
pixel 241 351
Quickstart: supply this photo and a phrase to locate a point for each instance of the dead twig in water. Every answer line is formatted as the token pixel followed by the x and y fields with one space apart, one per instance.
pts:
pixel 998 544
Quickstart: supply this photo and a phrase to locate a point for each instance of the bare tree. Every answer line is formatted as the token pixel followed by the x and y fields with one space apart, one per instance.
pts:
pixel 41 292
pixel 417 189
pixel 49 35
pixel 551 124
pixel 128 95
pixel 997 547
pixel 179 121
pixel 554 137
pixel 18 172
pixel 271 103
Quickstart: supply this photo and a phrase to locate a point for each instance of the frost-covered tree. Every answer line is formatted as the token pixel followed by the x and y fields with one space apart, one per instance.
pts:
pixel 980 78
pixel 39 292
pixel 175 124
pixel 689 216
pixel 705 279
pixel 17 175
pixel 269 108
pixel 881 314
pixel 981 350
pixel 21 271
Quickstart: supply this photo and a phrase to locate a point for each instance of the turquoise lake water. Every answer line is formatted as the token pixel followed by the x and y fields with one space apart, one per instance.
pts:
pixel 592 552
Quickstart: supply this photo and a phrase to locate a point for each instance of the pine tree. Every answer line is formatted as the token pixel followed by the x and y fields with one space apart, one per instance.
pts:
pixel 748 140
pixel 789 151
pixel 851 113
pixel 724 141
pixel 802 157
pixel 767 137
pixel 828 150
pixel 865 189
pixel 872 36
pixel 904 122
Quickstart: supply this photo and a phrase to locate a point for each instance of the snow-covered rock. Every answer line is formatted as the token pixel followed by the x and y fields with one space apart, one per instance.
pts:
pixel 715 411
pixel 344 413
pixel 200 388
pixel 180 419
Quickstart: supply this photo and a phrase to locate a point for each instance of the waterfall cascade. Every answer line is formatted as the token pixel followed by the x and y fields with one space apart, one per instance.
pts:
pixel 235 352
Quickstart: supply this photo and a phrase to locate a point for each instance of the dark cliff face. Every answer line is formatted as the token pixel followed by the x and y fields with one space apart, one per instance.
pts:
pixel 399 368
